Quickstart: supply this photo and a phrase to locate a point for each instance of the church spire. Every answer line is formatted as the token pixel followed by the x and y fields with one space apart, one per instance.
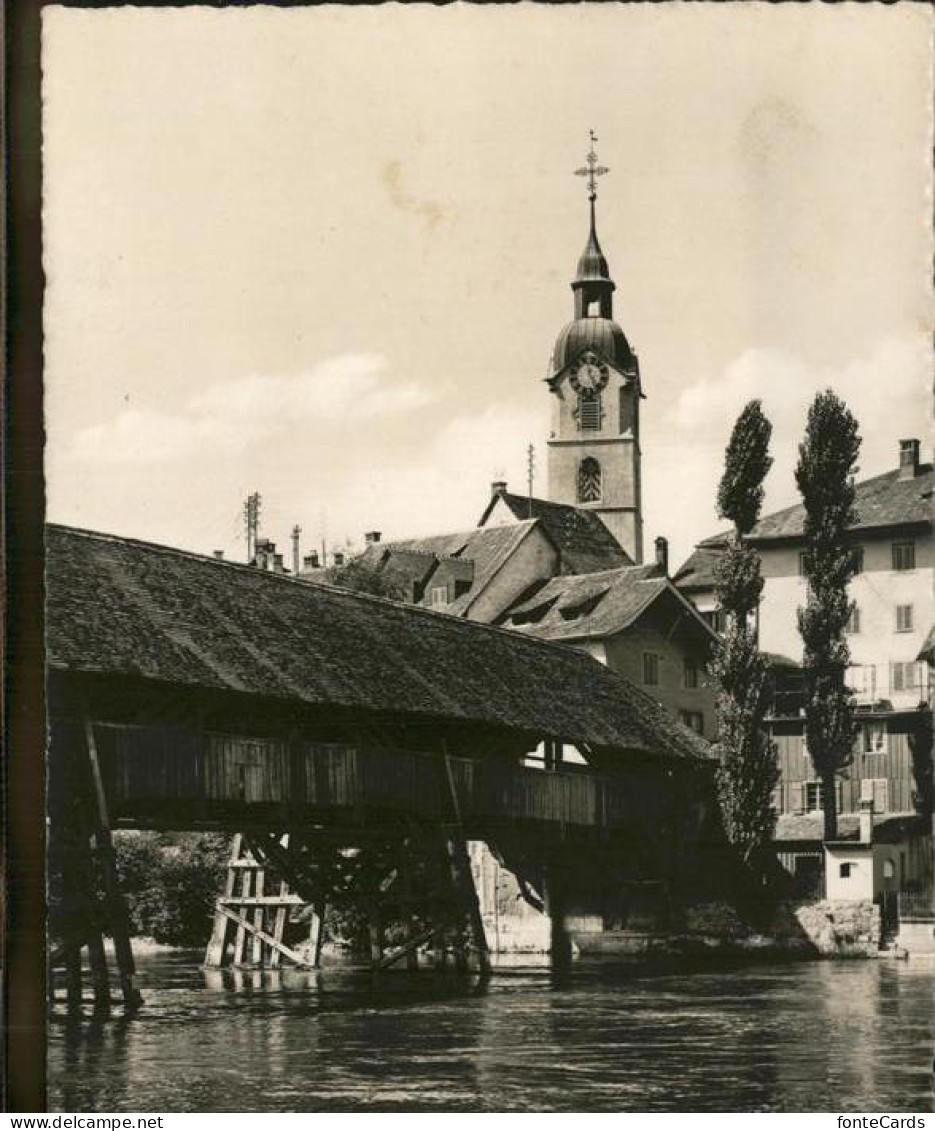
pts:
pixel 593 286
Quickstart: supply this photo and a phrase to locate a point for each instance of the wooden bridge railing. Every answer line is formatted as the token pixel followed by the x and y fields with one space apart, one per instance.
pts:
pixel 160 765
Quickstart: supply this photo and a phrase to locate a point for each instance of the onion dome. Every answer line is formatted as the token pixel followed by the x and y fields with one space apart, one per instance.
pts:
pixel 593 326
pixel 600 334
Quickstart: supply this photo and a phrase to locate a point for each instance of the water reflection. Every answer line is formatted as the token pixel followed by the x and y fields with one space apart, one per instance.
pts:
pixel 812 1037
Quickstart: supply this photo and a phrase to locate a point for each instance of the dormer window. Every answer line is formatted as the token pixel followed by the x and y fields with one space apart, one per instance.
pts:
pixel 583 607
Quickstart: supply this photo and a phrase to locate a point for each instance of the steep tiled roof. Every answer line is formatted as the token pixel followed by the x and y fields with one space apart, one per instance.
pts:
pixel 594 604
pixel 583 540
pixel 486 547
pixel 810 827
pixel 881 502
pixel 886 500
pixel 127 608
pixel 697 572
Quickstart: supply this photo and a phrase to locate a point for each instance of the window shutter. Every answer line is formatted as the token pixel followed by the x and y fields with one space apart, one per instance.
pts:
pixel 839 796
pixel 880 798
pixel 589 410
pixel 800 798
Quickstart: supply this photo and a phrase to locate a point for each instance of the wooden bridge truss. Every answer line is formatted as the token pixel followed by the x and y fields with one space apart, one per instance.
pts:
pixel 306 808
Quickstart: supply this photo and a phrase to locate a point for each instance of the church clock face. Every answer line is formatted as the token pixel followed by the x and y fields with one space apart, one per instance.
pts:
pixel 589 376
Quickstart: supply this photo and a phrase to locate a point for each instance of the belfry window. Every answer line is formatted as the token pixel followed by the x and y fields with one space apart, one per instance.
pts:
pixel 589 481
pixel 589 410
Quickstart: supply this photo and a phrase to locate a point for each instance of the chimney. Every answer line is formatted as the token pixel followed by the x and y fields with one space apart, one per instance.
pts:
pixel 498 487
pixel 662 555
pixel 311 560
pixel 372 537
pixel 219 554
pixel 265 553
pixel 338 558
pixel 908 459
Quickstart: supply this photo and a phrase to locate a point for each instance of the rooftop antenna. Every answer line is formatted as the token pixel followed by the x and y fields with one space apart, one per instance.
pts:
pixel 296 531
pixel 530 472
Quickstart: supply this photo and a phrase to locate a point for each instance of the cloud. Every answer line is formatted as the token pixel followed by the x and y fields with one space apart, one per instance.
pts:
pixel 889 390
pixel 231 416
pixel 443 485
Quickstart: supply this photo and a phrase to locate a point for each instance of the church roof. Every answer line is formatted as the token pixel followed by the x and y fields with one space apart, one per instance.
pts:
pixel 600 334
pixel 592 263
pixel 583 541
pixel 596 605
pixel 122 608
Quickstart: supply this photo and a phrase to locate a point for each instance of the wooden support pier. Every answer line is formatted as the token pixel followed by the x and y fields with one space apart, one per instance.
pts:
pixel 91 880
pixel 250 915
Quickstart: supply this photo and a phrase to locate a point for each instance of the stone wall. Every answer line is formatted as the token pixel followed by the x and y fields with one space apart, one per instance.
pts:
pixel 837 930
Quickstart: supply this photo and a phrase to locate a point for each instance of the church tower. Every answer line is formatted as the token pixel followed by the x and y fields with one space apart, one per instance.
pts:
pixel 594 380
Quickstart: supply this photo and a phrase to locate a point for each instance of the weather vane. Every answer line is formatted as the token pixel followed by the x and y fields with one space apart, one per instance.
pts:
pixel 592 170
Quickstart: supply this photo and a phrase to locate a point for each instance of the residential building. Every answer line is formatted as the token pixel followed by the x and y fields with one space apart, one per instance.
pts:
pixel 893 596
pixel 634 620
pixel 474 573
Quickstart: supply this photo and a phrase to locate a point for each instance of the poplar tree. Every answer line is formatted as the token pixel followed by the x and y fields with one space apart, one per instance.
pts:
pixel 825 478
pixel 748 771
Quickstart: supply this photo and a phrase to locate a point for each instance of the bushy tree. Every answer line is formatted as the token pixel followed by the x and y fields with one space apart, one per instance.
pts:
pixel 363 575
pixel 748 772
pixel 171 882
pixel 825 477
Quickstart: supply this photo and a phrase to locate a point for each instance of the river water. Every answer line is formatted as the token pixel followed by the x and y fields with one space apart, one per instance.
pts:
pixel 818 1036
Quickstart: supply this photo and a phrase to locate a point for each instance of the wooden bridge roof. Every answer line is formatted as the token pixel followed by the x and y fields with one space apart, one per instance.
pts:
pixel 127 608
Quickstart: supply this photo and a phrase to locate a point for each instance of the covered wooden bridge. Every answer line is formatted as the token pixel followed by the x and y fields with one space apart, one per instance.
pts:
pixel 191 693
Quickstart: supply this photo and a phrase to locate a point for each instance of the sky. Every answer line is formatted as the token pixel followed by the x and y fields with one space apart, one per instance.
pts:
pixel 324 253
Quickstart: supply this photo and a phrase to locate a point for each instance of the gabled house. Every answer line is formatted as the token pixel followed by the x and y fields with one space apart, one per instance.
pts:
pixel 635 621
pixel 474 573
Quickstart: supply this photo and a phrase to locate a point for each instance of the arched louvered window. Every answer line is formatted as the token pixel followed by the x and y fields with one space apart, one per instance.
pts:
pixel 589 481
pixel 589 409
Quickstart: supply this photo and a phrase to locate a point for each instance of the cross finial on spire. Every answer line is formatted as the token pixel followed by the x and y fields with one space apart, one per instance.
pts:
pixel 592 170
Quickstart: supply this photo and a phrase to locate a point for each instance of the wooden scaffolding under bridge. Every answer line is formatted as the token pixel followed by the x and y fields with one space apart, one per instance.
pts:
pixel 250 917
